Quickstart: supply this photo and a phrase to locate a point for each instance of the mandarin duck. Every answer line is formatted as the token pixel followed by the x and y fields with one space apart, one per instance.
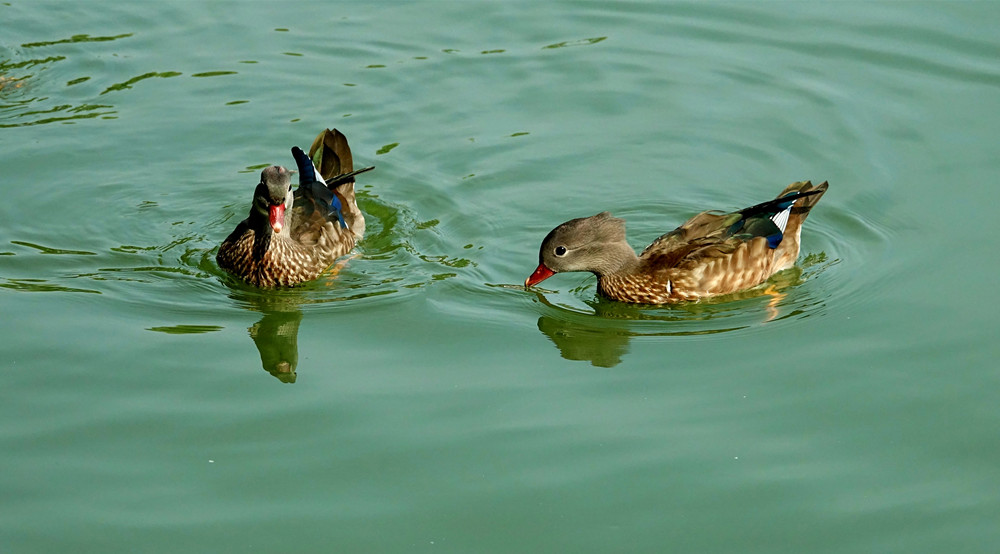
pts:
pixel 294 236
pixel 711 254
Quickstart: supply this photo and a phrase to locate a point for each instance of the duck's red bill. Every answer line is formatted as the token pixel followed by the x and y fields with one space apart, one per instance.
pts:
pixel 276 214
pixel 541 273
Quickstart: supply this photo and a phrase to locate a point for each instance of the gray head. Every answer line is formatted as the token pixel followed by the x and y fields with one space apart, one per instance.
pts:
pixel 274 195
pixel 596 244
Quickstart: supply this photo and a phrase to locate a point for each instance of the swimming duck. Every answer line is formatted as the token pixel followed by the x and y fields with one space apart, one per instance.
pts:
pixel 713 253
pixel 291 237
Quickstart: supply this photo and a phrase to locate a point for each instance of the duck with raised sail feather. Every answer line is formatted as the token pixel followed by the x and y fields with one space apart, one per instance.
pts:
pixel 711 254
pixel 291 237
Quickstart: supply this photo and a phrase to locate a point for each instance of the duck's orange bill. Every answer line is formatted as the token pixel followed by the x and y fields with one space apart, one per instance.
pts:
pixel 276 213
pixel 541 273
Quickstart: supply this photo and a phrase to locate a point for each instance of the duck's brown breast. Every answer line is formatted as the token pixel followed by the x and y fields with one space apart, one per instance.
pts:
pixel 282 261
pixel 641 288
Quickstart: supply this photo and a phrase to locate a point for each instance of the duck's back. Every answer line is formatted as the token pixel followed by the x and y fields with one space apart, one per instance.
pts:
pixel 716 253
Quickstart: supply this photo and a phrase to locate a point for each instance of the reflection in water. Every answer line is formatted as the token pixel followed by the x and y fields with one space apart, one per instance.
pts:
pixel 277 338
pixel 185 329
pixel 601 347
pixel 581 42
pixel 75 39
pixel 602 337
pixel 125 85
pixel 28 97
pixel 276 334
pixel 39 285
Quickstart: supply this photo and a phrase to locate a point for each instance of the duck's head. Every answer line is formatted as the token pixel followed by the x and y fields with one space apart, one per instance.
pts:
pixel 596 244
pixel 274 195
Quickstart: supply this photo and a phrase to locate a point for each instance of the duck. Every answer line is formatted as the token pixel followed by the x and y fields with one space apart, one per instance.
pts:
pixel 712 254
pixel 290 237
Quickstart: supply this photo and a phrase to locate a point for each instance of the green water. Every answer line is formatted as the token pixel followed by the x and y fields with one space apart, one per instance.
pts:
pixel 435 405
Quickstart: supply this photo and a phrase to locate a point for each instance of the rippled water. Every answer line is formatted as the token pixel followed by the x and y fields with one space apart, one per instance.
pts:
pixel 420 399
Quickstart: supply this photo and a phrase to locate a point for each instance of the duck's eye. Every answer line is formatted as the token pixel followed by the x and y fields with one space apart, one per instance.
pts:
pixel 560 251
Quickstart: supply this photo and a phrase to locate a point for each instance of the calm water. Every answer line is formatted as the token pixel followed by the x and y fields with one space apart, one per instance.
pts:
pixel 436 406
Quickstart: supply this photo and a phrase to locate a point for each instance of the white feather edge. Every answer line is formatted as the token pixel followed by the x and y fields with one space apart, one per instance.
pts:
pixel 781 218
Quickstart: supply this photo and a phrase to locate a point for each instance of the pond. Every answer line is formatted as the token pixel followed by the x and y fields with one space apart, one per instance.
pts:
pixel 419 399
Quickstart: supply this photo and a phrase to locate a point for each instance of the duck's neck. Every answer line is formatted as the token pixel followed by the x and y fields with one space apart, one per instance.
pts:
pixel 262 233
pixel 615 259
pixel 259 222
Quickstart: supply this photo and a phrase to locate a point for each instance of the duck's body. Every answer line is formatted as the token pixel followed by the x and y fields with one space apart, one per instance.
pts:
pixel 709 255
pixel 291 237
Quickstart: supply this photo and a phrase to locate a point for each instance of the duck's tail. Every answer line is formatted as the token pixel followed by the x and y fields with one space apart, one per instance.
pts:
pixel 331 153
pixel 811 195
pixel 807 197
pixel 332 156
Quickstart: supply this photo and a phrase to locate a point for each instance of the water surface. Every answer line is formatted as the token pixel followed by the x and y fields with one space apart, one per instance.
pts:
pixel 419 400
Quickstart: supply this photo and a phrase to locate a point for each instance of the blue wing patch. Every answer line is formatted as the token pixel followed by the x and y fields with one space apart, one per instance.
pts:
pixel 335 207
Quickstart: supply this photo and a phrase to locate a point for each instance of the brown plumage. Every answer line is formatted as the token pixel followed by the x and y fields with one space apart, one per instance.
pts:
pixel 290 237
pixel 713 253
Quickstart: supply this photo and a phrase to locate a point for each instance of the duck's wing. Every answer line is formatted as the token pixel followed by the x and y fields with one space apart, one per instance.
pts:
pixel 702 231
pixel 710 235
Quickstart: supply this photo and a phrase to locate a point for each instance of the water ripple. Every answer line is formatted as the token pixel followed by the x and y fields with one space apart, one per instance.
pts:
pixel 27 97
pixel 392 261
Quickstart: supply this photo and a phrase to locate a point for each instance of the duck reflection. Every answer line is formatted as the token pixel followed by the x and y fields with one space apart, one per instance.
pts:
pixel 602 337
pixel 584 342
pixel 276 333
pixel 276 336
